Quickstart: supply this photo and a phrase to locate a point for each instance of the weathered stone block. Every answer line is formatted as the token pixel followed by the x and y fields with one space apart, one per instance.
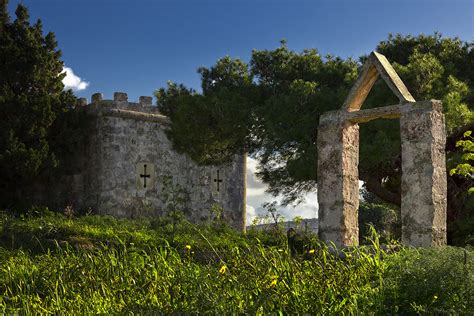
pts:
pixel 423 184
pixel 424 175
pixel 338 189
pixel 96 97
pixel 120 97
pixel 145 101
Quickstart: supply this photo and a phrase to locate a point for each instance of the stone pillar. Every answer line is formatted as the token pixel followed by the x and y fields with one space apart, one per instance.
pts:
pixel 338 175
pixel 424 196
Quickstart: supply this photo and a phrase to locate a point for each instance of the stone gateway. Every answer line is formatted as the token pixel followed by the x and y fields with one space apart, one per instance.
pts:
pixel 423 138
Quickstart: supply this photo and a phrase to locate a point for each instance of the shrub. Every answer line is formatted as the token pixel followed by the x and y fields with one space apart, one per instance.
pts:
pixel 385 219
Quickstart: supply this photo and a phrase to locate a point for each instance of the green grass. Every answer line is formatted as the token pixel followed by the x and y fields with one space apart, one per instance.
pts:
pixel 94 264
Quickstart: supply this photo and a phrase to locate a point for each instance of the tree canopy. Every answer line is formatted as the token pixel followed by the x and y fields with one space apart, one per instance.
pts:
pixel 270 108
pixel 32 98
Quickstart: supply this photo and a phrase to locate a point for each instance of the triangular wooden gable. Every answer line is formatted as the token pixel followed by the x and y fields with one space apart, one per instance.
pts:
pixel 376 65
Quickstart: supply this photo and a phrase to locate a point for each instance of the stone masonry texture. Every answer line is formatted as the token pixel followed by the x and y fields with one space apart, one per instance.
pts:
pixel 423 209
pixel 109 173
pixel 423 137
pixel 424 186
pixel 338 186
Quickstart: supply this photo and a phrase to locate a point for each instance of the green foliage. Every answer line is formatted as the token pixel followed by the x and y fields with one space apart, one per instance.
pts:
pixel 466 169
pixel 217 122
pixel 296 89
pixel 432 67
pixel 99 264
pixel 32 101
pixel 270 109
pixel 170 98
pixel 383 218
pixel 430 281
pixel 457 111
pixel 463 172
pixel 245 109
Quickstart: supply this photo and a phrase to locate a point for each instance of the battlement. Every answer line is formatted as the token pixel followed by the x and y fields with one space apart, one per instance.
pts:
pixel 142 110
pixel 126 160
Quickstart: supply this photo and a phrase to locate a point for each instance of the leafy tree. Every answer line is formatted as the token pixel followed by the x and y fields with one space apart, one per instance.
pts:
pixel 32 102
pixel 466 169
pixel 432 67
pixel 461 189
pixel 271 107
pixel 213 126
pixel 297 88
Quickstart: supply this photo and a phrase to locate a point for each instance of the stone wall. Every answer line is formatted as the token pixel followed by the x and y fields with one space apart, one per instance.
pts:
pixel 128 168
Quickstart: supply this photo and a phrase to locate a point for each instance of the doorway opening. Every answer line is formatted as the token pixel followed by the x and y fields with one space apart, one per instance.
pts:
pixel 380 180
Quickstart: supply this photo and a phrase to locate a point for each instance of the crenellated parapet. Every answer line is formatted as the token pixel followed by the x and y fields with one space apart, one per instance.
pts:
pixel 126 166
pixel 130 161
pixel 142 110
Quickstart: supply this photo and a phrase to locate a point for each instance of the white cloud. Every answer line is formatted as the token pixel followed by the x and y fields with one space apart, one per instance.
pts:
pixel 250 214
pixel 256 196
pixel 255 191
pixel 71 81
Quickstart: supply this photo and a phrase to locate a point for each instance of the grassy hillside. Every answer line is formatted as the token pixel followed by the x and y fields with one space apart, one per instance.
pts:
pixel 94 264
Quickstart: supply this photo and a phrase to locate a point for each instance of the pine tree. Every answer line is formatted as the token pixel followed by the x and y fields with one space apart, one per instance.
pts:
pixel 32 97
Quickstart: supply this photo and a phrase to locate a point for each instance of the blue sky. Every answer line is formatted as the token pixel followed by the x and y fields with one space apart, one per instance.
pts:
pixel 137 46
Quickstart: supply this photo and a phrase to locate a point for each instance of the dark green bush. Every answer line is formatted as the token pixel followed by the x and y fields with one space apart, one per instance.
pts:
pixel 384 218
pixel 432 281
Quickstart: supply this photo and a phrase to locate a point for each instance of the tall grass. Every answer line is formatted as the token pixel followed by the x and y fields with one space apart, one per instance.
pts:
pixel 103 265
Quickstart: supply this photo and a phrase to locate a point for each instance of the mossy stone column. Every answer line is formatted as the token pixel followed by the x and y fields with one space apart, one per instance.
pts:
pixel 424 202
pixel 338 185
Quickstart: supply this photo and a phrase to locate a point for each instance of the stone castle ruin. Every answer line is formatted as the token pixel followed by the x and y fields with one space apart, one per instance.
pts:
pixel 422 132
pixel 127 168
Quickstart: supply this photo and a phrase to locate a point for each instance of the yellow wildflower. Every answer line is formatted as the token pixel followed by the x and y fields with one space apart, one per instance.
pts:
pixel 311 251
pixel 223 269
pixel 273 283
pixel 188 247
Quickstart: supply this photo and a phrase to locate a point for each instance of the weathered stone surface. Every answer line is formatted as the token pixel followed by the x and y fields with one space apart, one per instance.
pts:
pixel 391 78
pixel 424 175
pixel 363 116
pixel 338 189
pixel 376 65
pixel 423 138
pixel 145 101
pixel 120 97
pixel 106 172
pixel 96 97
pixel 134 115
